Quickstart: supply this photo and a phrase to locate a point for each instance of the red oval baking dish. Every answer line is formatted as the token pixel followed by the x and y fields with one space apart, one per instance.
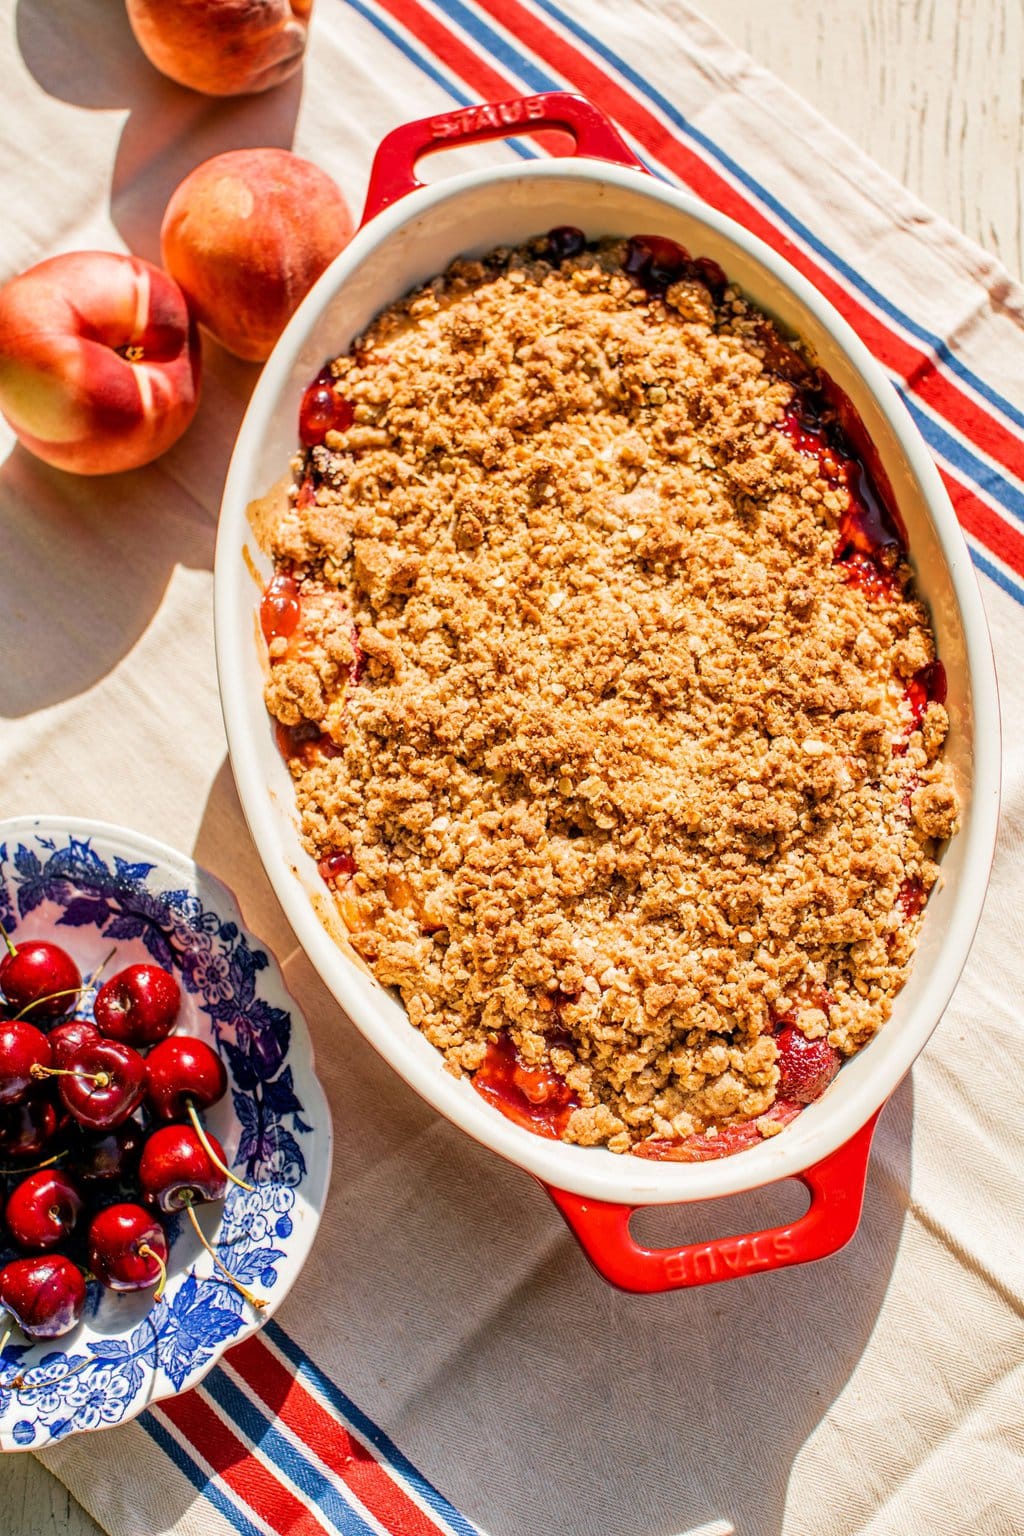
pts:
pixel 411 232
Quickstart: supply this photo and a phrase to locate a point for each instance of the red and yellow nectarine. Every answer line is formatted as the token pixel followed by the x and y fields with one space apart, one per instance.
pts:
pixel 246 234
pixel 99 361
pixel 222 47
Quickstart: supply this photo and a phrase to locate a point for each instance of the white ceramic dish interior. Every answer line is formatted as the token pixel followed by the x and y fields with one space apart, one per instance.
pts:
pixel 408 243
pixel 94 888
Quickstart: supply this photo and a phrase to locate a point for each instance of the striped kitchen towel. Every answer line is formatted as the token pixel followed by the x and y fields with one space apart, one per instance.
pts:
pixel 447 1362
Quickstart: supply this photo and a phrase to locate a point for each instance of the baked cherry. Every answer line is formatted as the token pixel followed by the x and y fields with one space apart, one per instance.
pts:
pixel 102 1084
pixel 656 262
pixel 24 1053
pixel 138 1006
pixel 43 1209
pixel 39 979
pixel 806 1067
pixel 45 1294
pixel 280 608
pixel 324 409
pixel 128 1249
pixel 564 242
pixel 181 1069
pixel 28 1128
pixel 66 1040
pixel 176 1169
pixel 106 1156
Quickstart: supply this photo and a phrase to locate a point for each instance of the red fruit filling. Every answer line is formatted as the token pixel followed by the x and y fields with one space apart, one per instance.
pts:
pixel 337 866
pixel 305 741
pixel 656 262
pixel 534 1097
pixel 910 898
pixel 280 609
pixel 324 409
pixel 806 1067
pixel 870 542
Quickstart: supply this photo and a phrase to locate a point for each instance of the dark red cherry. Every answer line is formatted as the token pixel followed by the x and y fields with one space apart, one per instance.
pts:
pixel 45 1294
pixel 27 1129
pixel 42 1210
pixel 183 1068
pixel 712 276
pixel 564 242
pixel 127 1248
pixel 656 262
pixel 67 1039
pixel 102 1084
pixel 176 1170
pixel 39 979
pixel 806 1067
pixel 105 1156
pixel 24 1051
pixel 138 1006
pixel 324 409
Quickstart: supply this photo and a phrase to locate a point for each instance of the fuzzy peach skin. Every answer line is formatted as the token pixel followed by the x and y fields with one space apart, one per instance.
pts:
pixel 246 234
pixel 222 47
pixel 99 361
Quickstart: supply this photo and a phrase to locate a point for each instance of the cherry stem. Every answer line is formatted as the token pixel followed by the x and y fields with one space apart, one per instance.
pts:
pixel 12 948
pixel 217 1162
pixel 101 1079
pixel 254 1301
pixel 49 998
pixel 19 1384
pixel 150 1253
pixel 35 1167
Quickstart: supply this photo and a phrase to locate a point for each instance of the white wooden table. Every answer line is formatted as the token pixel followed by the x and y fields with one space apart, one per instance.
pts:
pixel 932 91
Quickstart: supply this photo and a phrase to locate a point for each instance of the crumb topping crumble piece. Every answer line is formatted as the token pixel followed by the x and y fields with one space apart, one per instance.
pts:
pixel 607 691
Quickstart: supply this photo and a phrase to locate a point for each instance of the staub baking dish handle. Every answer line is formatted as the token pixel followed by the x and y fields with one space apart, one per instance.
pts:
pixel 393 173
pixel 836 1186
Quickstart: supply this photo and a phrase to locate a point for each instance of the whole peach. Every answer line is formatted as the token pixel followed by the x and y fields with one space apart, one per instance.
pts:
pixel 246 234
pixel 222 47
pixel 99 361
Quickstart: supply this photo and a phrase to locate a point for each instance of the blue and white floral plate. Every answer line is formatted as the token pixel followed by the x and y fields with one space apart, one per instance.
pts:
pixel 93 888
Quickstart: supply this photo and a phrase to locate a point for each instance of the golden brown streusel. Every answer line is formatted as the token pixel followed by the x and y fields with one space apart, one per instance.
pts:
pixel 623 761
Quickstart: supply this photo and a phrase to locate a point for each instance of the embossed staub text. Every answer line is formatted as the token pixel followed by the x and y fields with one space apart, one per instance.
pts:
pixel 498 115
pixel 734 1256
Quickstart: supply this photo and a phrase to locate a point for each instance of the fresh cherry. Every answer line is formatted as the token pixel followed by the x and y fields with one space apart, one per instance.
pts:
pixel 45 1295
pixel 138 1006
pixel 28 1128
pixel 183 1166
pixel 108 1155
pixel 181 1069
pixel 42 1210
pixel 176 1170
pixel 102 1084
pixel 39 979
pixel 24 1052
pixel 128 1249
pixel 324 409
pixel 806 1067
pixel 67 1039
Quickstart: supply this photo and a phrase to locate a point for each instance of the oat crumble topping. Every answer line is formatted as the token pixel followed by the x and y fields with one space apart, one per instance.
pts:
pixel 615 762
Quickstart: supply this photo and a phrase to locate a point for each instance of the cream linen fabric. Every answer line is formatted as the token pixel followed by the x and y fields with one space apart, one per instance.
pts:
pixel 878 1393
